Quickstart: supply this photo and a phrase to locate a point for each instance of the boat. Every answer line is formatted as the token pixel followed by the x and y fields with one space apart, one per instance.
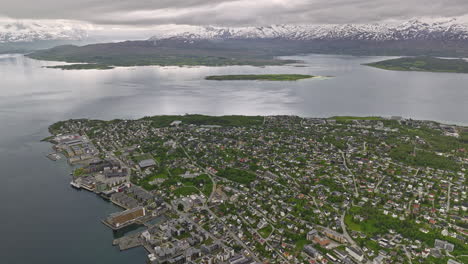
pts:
pixel 75 185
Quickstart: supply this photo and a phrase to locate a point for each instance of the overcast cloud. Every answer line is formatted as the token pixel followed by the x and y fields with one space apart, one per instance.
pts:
pixel 144 13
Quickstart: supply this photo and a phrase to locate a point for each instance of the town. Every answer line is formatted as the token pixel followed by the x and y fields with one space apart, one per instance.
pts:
pixel 276 189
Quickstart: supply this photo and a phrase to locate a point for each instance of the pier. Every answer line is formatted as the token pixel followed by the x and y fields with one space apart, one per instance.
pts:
pixel 53 156
pixel 128 241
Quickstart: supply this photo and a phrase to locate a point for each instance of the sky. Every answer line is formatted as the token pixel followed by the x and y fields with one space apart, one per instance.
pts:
pixel 146 13
pixel 141 15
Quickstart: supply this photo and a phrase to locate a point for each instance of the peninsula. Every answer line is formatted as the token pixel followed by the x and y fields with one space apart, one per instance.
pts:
pixel 276 189
pixel 425 64
pixel 260 77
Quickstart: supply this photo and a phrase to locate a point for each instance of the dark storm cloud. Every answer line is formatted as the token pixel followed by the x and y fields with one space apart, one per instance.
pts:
pixel 230 12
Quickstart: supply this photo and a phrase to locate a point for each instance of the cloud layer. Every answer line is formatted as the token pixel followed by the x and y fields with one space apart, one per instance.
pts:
pixel 143 13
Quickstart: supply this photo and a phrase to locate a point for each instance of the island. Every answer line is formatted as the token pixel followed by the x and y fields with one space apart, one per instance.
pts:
pixel 424 63
pixel 275 189
pixel 260 77
pixel 81 66
pixel 170 52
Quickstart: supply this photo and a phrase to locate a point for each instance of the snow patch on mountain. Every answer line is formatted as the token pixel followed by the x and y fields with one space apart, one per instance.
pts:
pixel 29 31
pixel 448 29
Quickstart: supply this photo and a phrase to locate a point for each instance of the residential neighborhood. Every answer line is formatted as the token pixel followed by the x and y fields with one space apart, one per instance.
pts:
pixel 277 189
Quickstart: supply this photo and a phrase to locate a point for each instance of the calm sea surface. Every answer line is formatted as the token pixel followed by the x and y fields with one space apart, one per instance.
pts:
pixel 44 220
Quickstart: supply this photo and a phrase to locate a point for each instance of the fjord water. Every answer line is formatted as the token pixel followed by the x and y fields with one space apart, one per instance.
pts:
pixel 44 220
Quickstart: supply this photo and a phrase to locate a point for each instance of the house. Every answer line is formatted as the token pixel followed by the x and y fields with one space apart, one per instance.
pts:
pixel 441 244
pixel 116 171
pixel 379 259
pixel 147 163
pixel 322 242
pixel 311 234
pixel 355 253
pixel 124 200
pixel 140 194
pixel 176 123
pixel 335 236
pixel 241 260
pixel 311 251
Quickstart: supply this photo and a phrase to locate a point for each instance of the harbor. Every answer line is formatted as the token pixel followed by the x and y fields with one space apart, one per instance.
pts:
pixel 109 179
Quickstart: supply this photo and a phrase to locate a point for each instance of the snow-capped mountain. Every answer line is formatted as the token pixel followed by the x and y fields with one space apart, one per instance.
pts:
pixel 29 31
pixel 410 30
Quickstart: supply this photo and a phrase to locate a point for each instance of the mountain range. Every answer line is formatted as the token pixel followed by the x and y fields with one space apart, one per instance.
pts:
pixel 416 29
pixel 450 29
pixel 31 31
pixel 26 36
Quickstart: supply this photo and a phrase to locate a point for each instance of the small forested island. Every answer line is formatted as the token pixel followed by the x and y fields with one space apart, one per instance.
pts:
pixel 372 189
pixel 426 64
pixel 81 66
pixel 260 77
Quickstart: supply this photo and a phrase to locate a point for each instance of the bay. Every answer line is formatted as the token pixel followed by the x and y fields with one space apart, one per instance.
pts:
pixel 44 220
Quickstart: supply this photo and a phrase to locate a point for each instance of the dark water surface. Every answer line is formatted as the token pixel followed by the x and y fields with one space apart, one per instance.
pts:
pixel 44 220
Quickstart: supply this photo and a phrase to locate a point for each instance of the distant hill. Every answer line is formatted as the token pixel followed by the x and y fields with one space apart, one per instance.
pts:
pixel 428 64
pixel 26 47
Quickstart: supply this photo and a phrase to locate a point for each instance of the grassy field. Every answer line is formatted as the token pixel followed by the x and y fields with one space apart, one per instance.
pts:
pixel 165 121
pixel 236 175
pixel 425 64
pixel 350 223
pixel 266 231
pixel 185 191
pixel 259 77
pixel 143 157
pixel 356 118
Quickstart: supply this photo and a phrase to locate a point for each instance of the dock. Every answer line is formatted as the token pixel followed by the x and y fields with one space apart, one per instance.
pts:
pixel 128 241
pixel 53 156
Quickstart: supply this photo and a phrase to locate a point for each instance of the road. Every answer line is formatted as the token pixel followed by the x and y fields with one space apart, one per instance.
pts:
pixel 448 197
pixel 407 254
pixel 378 183
pixel 186 217
pixel 345 232
pixel 266 240
pixel 356 192
pixel 238 240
